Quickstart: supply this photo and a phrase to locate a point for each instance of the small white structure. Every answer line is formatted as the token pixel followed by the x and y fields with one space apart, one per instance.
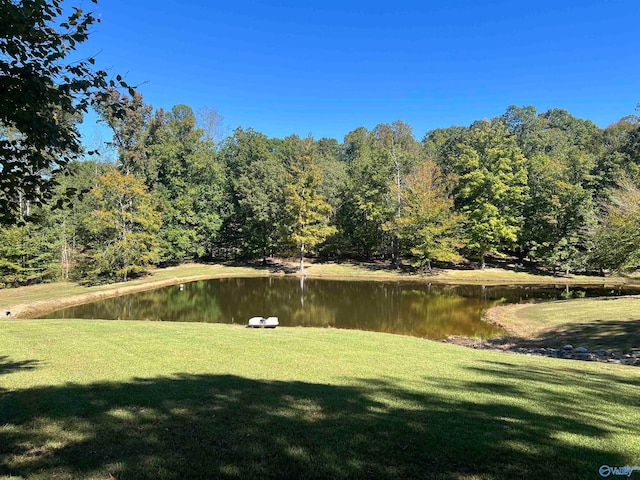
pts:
pixel 261 322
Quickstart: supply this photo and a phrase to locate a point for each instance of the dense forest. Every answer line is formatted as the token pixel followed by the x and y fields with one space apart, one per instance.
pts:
pixel 548 190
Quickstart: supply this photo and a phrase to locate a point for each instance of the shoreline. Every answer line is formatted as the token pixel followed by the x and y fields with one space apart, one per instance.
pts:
pixel 560 335
pixel 29 310
pixel 506 344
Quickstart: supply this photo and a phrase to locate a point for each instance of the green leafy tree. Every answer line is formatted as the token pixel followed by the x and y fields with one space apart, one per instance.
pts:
pixel 366 204
pixel 428 223
pixel 620 157
pixel 190 185
pixel 255 176
pixel 307 211
pixel 327 152
pixel 525 125
pixel 260 190
pixel 328 155
pixel 491 189
pixel 376 162
pixel 617 237
pixel 396 145
pixel 134 129
pixel 44 93
pixel 26 255
pixel 124 227
pixel 561 153
pixel 441 146
pixel 50 245
pixel 67 225
pixel 558 215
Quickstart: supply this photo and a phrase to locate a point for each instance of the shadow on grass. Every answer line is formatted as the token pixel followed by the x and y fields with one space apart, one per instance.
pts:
pixel 610 335
pixel 439 267
pixel 271 266
pixel 229 427
pixel 289 266
pixel 9 366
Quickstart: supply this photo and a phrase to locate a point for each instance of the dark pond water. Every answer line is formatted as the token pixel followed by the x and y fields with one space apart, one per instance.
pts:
pixel 409 308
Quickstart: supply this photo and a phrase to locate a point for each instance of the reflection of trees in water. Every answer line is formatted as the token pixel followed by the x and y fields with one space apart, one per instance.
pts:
pixel 410 309
pixel 426 310
pixel 441 312
pixel 387 307
pixel 167 304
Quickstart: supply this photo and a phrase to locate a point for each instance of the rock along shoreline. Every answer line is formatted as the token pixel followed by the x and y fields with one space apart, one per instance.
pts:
pixel 568 352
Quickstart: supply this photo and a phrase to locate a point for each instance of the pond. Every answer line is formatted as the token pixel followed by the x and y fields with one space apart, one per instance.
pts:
pixel 409 308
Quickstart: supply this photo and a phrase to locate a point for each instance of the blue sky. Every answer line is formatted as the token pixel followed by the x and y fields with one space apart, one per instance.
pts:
pixel 327 67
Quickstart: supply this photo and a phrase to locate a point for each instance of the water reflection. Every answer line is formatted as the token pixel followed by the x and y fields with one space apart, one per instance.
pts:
pixel 408 308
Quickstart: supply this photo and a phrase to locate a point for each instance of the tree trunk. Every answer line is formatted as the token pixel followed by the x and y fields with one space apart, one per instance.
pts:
pixel 482 264
pixel 395 256
pixel 265 247
pixel 302 259
pixel 64 262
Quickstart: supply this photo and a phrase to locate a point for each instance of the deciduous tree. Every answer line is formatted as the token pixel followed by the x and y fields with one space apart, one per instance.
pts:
pixel 617 237
pixel 190 185
pixel 307 211
pixel 428 222
pixel 397 147
pixel 491 189
pixel 124 226
pixel 44 93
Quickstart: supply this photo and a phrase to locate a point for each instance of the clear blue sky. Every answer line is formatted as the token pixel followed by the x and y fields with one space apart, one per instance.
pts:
pixel 327 67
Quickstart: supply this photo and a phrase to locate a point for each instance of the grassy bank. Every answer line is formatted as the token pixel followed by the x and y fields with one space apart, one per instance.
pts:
pixel 596 323
pixel 485 276
pixel 25 302
pixel 140 400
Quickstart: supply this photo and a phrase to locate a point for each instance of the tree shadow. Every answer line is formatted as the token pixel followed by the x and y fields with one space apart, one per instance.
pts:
pixel 373 265
pixel 10 366
pixel 610 335
pixel 516 265
pixel 271 265
pixel 230 427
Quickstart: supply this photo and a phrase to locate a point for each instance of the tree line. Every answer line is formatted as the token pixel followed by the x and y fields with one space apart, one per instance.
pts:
pixel 547 189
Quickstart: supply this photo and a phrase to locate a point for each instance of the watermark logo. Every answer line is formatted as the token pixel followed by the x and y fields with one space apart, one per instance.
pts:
pixel 626 471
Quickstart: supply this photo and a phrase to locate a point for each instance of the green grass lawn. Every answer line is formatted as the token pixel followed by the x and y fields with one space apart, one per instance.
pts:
pixel 149 400
pixel 597 323
pixel 470 276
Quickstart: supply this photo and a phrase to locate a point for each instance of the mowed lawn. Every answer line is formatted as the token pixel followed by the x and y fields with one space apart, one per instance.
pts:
pixel 611 323
pixel 150 400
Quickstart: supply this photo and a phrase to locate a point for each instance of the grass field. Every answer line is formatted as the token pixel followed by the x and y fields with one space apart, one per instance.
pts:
pixel 148 400
pixel 145 400
pixel 596 323
pixel 472 276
